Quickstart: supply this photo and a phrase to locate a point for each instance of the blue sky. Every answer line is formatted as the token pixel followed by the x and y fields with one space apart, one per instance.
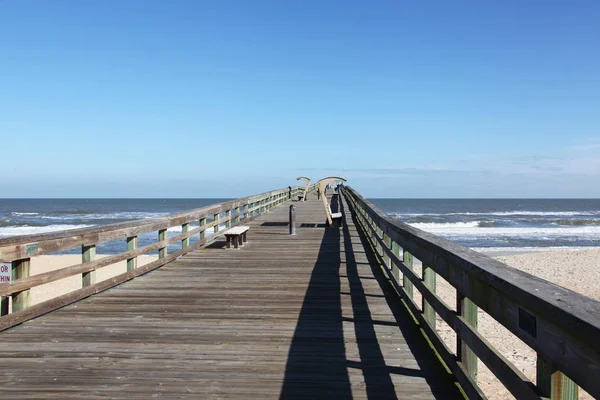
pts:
pixel 146 98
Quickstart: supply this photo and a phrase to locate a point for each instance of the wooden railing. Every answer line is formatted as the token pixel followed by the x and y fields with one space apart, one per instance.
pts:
pixel 19 250
pixel 562 326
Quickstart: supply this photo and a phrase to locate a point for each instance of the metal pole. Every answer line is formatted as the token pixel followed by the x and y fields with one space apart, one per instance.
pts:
pixel 292 220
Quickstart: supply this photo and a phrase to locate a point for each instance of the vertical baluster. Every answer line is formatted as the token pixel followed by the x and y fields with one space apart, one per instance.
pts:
pixel 132 244
pixel 429 279
pixel 395 269
pixel 163 251
pixel 202 222
pixel 88 253
pixel 228 218
pixel 386 258
pixel 552 383
pixel 3 305
pixel 20 269
pixel 468 310
pixel 407 259
pixel 216 218
pixel 186 241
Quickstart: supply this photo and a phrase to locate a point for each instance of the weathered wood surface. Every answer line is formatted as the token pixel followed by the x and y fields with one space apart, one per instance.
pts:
pixel 561 325
pixel 302 316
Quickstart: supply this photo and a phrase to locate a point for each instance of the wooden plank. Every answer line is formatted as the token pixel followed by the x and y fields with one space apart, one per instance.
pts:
pixel 288 317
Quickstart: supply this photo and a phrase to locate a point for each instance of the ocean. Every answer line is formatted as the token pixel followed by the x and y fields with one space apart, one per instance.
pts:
pixel 33 216
pixel 503 225
pixel 488 225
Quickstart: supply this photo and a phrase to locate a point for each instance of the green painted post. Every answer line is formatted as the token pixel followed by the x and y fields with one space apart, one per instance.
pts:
pixel 202 222
pixel 468 310
pixel 88 253
pixel 228 218
pixel 395 269
pixel 132 244
pixel 236 219
pixel 430 282
pixel 407 259
pixel 3 306
pixel 388 244
pixel 186 241
pixel 379 236
pixel 216 219
pixel 552 383
pixel 20 269
pixel 163 251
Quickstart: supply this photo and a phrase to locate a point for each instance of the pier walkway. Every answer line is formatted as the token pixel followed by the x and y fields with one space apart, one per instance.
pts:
pixel 306 316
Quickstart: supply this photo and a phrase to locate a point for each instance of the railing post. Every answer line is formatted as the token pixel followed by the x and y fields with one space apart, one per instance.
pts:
pixel 163 251
pixel 88 253
pixel 388 243
pixel 236 219
pixel 407 260
pixel 202 222
pixel 3 306
pixel 552 383
pixel 467 310
pixel 379 234
pixel 132 244
pixel 292 220
pixel 216 220
pixel 20 269
pixel 228 218
pixel 395 269
pixel 186 241
pixel 430 282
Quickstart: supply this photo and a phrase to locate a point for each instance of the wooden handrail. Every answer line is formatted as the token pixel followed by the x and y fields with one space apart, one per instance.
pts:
pixel 562 326
pixel 19 250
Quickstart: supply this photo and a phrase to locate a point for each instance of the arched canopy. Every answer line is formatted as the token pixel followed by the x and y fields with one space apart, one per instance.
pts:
pixel 307 180
pixel 321 185
pixel 326 181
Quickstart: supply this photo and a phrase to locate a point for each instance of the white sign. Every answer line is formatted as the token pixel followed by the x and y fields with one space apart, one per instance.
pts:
pixel 5 272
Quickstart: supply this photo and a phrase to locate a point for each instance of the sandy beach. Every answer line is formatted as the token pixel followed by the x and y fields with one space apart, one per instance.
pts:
pixel 43 264
pixel 564 268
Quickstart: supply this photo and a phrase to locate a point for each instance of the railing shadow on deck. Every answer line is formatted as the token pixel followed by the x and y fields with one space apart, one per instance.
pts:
pixel 317 363
pixel 439 380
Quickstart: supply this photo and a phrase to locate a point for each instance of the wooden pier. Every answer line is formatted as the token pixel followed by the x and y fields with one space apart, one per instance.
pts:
pixel 325 313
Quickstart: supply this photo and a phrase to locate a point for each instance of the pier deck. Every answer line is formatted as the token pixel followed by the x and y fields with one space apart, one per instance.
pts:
pixel 306 316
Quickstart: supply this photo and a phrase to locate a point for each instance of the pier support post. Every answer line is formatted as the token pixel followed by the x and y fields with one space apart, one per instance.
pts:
pixel 292 220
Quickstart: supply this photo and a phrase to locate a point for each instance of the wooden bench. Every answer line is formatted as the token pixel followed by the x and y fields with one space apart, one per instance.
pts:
pixel 337 218
pixel 236 234
pixel 300 197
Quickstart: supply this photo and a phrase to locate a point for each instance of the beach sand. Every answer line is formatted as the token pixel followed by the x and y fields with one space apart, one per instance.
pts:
pixel 565 268
pixel 50 290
